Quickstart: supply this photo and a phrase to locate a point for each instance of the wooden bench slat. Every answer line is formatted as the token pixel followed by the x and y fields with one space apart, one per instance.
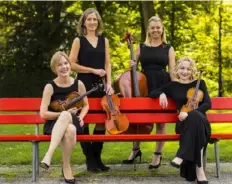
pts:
pixel 131 137
pixel 33 104
pixel 100 118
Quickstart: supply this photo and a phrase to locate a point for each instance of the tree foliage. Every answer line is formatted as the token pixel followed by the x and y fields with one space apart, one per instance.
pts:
pixel 31 31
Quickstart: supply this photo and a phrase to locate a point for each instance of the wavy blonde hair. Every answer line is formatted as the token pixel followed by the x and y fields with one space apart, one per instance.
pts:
pixel 148 36
pixel 192 66
pixel 81 29
pixel 56 58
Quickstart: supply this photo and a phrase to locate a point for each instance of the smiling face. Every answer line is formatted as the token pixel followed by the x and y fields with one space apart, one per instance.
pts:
pixel 185 72
pixel 91 22
pixel 62 67
pixel 155 29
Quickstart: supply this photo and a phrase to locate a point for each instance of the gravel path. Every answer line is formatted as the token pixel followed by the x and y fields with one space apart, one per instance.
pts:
pixel 119 174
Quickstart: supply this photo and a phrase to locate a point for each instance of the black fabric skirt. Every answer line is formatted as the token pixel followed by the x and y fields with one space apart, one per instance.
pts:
pixel 156 78
pixel 48 126
pixel 195 134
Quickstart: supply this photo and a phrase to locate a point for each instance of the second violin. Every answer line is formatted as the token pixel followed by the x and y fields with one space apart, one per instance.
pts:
pixel 116 122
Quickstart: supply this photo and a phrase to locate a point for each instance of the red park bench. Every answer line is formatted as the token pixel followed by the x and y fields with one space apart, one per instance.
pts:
pixel 138 110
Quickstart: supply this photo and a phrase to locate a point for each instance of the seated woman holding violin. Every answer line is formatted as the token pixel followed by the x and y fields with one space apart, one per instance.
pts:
pixel 192 100
pixel 62 120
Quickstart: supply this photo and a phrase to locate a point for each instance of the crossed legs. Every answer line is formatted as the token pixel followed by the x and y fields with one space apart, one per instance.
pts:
pixel 64 133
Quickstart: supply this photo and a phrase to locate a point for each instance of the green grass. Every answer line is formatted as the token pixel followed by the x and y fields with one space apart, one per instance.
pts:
pixel 114 152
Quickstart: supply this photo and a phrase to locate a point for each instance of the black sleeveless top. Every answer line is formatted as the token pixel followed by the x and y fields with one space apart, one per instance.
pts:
pixel 92 57
pixel 154 58
pixel 154 61
pixel 60 93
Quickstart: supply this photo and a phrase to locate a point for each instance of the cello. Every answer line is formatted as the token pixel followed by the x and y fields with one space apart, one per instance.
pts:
pixel 133 83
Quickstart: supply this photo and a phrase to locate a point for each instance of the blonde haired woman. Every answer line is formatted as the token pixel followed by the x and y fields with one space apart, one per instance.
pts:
pixel 90 58
pixel 155 55
pixel 62 126
pixel 193 126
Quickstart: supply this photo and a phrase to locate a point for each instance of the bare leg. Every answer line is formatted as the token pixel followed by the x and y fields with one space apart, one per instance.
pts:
pixel 58 132
pixel 200 170
pixel 67 144
pixel 160 129
pixel 136 148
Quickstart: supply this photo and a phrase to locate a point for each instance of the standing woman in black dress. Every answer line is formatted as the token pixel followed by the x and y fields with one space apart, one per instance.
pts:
pixel 62 126
pixel 193 126
pixel 155 55
pixel 90 58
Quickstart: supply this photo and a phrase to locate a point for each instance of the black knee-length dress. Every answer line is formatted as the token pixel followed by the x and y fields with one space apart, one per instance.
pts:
pixel 154 61
pixel 60 93
pixel 195 131
pixel 93 57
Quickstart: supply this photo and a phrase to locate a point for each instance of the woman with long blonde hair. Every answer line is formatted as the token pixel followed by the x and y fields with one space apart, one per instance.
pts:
pixel 155 55
pixel 193 126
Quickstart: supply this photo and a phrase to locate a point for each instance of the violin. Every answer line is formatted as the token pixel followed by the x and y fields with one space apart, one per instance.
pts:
pixel 194 96
pixel 116 122
pixel 74 99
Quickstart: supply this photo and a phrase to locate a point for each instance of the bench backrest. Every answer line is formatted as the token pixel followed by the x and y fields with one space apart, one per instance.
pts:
pixel 138 110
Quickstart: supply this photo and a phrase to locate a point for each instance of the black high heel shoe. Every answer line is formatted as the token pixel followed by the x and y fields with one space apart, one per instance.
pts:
pixel 202 182
pixel 70 181
pixel 138 154
pixel 174 164
pixel 44 165
pixel 159 164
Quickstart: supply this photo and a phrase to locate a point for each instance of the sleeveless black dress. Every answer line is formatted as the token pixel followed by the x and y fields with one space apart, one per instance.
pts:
pixel 92 57
pixel 60 93
pixel 154 61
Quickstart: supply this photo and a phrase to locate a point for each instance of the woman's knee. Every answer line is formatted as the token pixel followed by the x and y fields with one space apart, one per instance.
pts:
pixel 70 131
pixel 66 116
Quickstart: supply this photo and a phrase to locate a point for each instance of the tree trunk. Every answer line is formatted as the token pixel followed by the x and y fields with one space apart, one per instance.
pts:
pixel 220 79
pixel 172 29
pixel 146 11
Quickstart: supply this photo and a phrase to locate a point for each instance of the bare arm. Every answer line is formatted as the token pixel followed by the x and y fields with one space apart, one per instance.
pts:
pixel 107 62
pixel 73 58
pixel 44 113
pixel 85 108
pixel 171 64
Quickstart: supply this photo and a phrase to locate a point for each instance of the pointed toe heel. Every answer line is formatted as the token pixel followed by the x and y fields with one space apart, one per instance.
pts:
pixel 44 165
pixel 138 154
pixel 174 164
pixel 151 166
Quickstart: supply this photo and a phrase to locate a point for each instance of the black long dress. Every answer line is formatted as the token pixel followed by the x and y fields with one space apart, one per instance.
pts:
pixel 92 57
pixel 195 130
pixel 154 61
pixel 60 93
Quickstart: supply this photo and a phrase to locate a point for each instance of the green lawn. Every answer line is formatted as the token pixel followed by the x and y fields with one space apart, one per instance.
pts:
pixel 21 153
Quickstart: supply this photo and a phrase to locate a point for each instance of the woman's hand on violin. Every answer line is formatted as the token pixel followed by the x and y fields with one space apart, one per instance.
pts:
pixel 81 121
pixel 132 63
pixel 73 110
pixel 99 72
pixel 182 116
pixel 109 89
pixel 163 101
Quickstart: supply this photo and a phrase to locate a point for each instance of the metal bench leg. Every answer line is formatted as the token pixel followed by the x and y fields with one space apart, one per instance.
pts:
pixel 216 150
pixel 33 161
pixel 37 158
